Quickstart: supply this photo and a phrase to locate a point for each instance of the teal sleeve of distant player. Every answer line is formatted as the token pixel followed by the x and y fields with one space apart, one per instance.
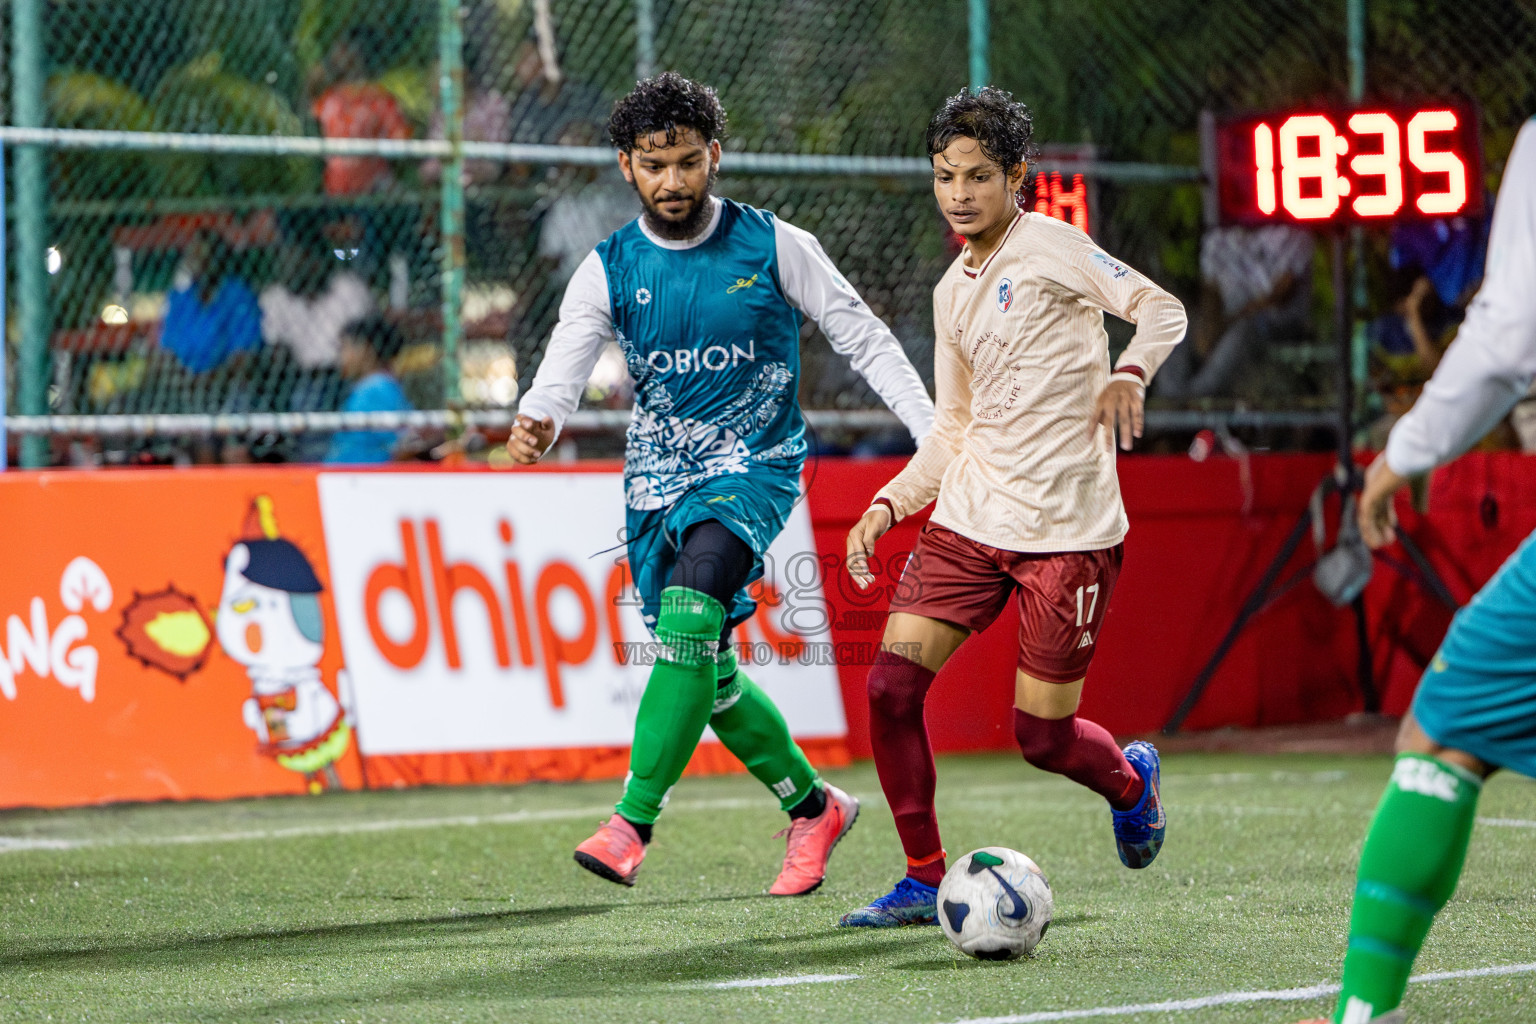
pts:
pixel 713 346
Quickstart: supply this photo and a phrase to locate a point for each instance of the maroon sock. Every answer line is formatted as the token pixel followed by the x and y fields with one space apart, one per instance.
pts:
pixel 904 760
pixel 929 870
pixel 1083 752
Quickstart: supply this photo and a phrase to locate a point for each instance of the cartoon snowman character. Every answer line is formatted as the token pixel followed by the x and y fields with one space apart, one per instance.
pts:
pixel 269 620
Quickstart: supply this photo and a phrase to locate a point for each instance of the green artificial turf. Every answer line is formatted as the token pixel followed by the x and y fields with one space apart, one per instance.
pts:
pixel 302 910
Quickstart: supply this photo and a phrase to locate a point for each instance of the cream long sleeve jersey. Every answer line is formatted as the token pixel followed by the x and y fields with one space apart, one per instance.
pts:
pixel 1020 359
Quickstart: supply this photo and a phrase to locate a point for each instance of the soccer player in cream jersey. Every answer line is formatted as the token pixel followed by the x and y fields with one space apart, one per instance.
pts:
pixel 704 296
pixel 1022 462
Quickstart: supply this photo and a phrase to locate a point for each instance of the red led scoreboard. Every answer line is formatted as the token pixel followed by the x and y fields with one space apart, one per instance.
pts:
pixel 1367 165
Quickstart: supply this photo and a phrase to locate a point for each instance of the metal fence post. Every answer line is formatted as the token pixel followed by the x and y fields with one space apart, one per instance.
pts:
pixel 31 223
pixel 1359 344
pixel 981 45
pixel 450 51
pixel 645 38
pixel 1355 13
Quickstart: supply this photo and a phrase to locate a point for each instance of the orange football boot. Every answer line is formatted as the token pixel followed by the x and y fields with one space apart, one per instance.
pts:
pixel 811 841
pixel 614 852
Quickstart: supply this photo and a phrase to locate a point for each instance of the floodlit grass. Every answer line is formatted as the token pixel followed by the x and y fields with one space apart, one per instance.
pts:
pixel 325 909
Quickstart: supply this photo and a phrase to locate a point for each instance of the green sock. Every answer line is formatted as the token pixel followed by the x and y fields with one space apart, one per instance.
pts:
pixel 675 706
pixel 1408 870
pixel 751 727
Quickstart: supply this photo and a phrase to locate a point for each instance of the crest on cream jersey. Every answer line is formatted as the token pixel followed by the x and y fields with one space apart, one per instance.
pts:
pixel 995 384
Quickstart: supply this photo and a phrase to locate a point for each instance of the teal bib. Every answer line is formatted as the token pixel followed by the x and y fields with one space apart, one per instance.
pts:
pixel 714 350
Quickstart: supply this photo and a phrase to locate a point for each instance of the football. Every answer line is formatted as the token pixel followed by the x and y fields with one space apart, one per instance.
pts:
pixel 995 904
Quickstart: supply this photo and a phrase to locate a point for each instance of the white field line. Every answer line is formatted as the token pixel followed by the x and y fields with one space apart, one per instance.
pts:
pixel 19 844
pixel 24 844
pixel 27 844
pixel 1210 779
pixel 1283 995
pixel 794 979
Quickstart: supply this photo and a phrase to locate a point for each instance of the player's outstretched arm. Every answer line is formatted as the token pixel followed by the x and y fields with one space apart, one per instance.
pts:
pixel 813 285
pixel 1490 365
pixel 918 482
pixel 1086 270
pixel 585 326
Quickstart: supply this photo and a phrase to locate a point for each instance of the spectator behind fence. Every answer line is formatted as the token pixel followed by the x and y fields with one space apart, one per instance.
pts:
pixel 486 119
pixel 1437 267
pixel 368 349
pixel 349 105
pixel 1407 343
pixel 487 113
pixel 211 315
pixel 310 310
pixel 1409 339
pixel 1450 253
pixel 590 204
pixel 1256 290
pixel 548 101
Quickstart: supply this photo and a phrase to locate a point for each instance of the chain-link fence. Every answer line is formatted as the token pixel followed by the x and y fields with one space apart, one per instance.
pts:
pixel 185 279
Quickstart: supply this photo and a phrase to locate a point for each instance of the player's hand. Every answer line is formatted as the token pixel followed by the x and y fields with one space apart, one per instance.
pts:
pixel 861 543
pixel 1120 408
pixel 1377 518
pixel 530 439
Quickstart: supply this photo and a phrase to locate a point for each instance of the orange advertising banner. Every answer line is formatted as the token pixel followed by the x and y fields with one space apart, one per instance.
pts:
pixel 114 683
pixel 189 634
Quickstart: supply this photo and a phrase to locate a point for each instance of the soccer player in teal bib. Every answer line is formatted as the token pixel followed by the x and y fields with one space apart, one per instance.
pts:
pixel 704 297
pixel 1475 709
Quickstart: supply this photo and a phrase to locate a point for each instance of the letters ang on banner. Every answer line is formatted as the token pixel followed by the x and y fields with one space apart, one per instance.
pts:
pixel 62 651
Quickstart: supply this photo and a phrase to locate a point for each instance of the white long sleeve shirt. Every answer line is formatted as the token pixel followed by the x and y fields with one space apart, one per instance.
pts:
pixel 1490 365
pixel 810 282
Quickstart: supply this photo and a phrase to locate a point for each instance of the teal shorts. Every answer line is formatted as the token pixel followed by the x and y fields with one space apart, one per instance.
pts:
pixel 754 506
pixel 1479 694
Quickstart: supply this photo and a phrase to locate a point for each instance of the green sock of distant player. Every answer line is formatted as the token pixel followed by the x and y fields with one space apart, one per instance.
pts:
pixel 1408 870
pixel 677 702
pixel 751 727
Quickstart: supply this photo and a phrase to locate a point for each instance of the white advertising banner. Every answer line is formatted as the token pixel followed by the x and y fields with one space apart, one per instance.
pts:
pixel 485 612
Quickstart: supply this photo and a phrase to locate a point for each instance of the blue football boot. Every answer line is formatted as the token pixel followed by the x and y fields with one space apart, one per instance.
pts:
pixel 911 902
pixel 1139 831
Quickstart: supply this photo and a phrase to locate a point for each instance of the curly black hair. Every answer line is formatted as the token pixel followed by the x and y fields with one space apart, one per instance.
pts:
pixel 668 103
pixel 1003 126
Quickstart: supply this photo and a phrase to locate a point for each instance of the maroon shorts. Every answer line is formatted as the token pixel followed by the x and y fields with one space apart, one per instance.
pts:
pixel 1062 596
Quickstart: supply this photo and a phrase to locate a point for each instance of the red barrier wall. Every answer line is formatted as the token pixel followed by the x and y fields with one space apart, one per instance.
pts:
pixel 1479 510
pixel 130 667
pixel 1195 549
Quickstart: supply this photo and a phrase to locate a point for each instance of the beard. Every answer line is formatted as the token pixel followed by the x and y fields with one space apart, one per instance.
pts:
pixel 691 224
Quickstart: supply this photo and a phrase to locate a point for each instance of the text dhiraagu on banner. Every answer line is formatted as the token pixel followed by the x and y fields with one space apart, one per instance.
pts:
pixel 214 633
